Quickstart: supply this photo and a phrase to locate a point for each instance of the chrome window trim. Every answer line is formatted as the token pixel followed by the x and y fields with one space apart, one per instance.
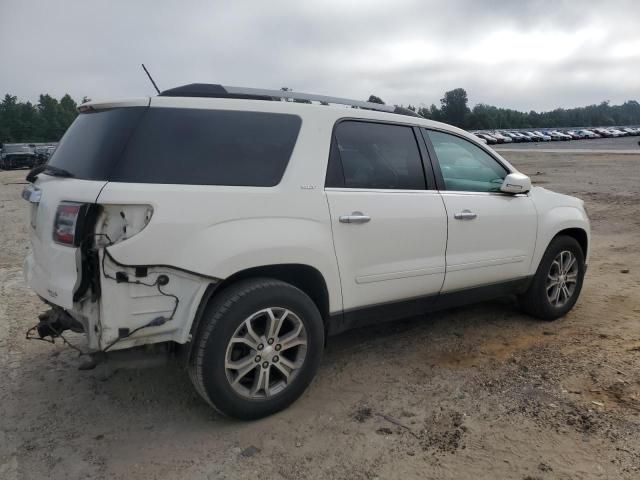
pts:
pixel 378 190
pixel 432 192
pixel 496 194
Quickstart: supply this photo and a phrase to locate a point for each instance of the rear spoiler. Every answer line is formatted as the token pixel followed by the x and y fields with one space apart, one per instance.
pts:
pixel 107 104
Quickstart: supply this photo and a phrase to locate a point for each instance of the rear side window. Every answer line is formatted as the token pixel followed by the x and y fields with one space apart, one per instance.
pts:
pixel 375 155
pixel 95 141
pixel 179 146
pixel 209 147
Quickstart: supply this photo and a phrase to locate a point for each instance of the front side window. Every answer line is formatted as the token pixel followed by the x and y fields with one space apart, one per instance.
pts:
pixel 377 155
pixel 466 167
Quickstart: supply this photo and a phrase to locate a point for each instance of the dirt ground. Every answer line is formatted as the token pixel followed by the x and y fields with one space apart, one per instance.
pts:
pixel 476 392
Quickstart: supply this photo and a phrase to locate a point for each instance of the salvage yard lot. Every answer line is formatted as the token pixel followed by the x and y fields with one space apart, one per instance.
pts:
pixel 474 392
pixel 622 143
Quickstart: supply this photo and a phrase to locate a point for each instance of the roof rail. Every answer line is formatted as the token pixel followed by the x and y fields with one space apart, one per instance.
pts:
pixel 223 91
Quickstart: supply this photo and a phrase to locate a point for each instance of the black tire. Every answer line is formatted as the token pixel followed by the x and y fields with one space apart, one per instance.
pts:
pixel 535 301
pixel 222 317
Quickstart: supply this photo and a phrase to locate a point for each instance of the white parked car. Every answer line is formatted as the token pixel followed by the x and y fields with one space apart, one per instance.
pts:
pixel 556 135
pixel 543 136
pixel 564 135
pixel 532 136
pixel 501 138
pixel 618 133
pixel 603 132
pixel 480 138
pixel 588 134
pixel 520 137
pixel 242 231
pixel 615 132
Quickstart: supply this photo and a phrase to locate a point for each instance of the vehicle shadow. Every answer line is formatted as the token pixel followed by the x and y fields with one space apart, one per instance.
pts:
pixel 165 394
pixel 459 324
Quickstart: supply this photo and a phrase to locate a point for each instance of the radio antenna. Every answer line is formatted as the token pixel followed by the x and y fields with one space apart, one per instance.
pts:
pixel 151 78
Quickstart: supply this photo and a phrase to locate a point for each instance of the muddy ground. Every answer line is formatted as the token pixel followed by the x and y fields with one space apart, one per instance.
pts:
pixel 476 392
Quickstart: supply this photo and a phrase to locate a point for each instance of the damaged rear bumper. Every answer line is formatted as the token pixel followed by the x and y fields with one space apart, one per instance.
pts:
pixel 134 306
pixel 55 321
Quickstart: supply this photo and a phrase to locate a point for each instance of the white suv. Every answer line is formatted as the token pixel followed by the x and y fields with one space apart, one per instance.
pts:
pixel 246 229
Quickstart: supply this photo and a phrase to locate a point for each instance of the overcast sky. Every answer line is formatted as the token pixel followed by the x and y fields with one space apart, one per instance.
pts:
pixel 518 54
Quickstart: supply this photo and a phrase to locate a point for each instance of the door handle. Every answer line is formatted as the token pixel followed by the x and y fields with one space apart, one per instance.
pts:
pixel 465 215
pixel 355 217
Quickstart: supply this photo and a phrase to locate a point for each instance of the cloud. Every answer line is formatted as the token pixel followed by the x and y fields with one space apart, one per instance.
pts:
pixel 526 55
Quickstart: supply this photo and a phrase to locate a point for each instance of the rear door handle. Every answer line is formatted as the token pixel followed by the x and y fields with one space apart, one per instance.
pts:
pixel 355 217
pixel 465 215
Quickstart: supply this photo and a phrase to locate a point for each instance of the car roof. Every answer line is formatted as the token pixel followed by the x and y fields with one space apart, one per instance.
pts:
pixel 171 99
pixel 330 113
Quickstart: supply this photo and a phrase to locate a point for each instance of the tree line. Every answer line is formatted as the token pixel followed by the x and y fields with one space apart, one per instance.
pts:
pixel 454 109
pixel 47 120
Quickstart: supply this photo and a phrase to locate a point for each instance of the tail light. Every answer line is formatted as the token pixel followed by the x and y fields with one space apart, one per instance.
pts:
pixel 111 223
pixel 65 225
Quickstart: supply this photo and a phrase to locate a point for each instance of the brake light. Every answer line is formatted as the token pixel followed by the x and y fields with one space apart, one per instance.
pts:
pixel 66 222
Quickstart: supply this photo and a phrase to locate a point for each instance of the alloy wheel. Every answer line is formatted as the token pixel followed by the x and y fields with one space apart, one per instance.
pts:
pixel 562 278
pixel 265 353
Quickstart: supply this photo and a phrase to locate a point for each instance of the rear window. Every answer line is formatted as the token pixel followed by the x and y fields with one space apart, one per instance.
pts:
pixel 179 146
pixel 376 155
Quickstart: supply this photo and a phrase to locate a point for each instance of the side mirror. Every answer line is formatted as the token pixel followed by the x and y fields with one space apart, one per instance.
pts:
pixel 516 183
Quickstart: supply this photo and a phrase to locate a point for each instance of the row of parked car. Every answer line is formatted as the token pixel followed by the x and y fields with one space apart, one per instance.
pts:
pixel 503 136
pixel 24 155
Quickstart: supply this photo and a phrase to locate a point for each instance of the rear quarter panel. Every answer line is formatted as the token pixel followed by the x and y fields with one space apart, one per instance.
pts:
pixel 219 230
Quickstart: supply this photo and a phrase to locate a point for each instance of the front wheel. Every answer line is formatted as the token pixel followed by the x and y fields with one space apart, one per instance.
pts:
pixel 558 281
pixel 257 349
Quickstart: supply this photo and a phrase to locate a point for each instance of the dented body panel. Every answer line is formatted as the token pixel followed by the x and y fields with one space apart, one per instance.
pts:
pixel 52 269
pixel 134 303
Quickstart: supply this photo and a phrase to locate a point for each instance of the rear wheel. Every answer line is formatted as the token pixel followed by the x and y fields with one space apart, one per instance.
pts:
pixel 558 281
pixel 257 349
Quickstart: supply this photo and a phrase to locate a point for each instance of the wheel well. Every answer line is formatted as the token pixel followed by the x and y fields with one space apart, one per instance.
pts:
pixel 304 277
pixel 579 235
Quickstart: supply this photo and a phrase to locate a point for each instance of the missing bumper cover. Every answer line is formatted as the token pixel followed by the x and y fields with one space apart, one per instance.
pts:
pixel 55 321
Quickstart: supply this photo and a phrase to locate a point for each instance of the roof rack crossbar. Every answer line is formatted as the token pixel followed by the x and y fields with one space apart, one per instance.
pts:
pixel 223 91
pixel 308 97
